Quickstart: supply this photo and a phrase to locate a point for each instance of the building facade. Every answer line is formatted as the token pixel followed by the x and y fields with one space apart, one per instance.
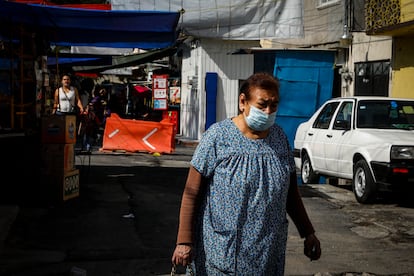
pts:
pixel 395 19
pixel 371 40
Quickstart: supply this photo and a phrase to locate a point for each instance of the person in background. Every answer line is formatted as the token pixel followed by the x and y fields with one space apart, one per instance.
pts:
pixel 66 98
pixel 106 112
pixel 99 104
pixel 241 186
pixel 86 87
pixel 95 118
pixel 84 97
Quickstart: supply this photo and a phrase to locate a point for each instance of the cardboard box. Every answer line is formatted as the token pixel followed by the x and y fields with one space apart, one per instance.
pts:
pixel 59 129
pixel 60 187
pixel 70 185
pixel 57 158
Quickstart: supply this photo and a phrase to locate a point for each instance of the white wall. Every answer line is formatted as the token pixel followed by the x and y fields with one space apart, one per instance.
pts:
pixel 190 94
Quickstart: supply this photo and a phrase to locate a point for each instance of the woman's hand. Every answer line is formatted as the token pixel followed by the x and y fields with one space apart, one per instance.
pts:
pixel 183 254
pixel 312 247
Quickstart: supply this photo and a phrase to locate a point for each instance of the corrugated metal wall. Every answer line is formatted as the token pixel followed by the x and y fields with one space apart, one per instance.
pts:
pixel 212 56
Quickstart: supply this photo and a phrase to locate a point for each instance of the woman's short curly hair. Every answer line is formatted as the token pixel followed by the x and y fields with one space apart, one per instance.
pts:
pixel 260 80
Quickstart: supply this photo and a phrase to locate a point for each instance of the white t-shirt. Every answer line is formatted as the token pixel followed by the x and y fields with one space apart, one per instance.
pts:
pixel 66 100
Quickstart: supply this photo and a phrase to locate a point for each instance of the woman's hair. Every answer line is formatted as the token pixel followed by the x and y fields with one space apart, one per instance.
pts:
pixel 65 75
pixel 261 80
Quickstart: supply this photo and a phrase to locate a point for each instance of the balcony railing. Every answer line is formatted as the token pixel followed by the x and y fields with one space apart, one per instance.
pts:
pixel 381 15
pixel 391 18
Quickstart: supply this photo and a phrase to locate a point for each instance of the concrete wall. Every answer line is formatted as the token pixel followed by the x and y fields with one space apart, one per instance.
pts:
pixel 407 10
pixel 403 67
pixel 367 48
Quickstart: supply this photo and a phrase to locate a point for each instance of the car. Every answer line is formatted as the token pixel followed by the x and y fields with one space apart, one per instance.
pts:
pixel 368 140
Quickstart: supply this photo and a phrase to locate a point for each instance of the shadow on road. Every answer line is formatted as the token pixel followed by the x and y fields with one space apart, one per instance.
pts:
pixel 122 213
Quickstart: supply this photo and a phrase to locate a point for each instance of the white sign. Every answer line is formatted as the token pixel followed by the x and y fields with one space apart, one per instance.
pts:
pixel 160 83
pixel 160 93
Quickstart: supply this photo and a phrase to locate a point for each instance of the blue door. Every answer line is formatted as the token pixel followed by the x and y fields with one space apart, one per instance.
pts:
pixel 306 81
pixel 211 98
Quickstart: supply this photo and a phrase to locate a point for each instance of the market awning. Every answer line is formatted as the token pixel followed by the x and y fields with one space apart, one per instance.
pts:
pixel 82 6
pixel 129 60
pixel 84 27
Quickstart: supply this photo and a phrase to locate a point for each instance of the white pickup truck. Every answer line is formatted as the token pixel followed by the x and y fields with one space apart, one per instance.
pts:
pixel 369 140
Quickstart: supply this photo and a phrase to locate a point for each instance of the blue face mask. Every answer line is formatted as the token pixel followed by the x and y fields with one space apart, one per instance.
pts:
pixel 259 120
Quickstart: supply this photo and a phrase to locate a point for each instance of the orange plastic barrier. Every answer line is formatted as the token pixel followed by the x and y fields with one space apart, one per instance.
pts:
pixel 137 135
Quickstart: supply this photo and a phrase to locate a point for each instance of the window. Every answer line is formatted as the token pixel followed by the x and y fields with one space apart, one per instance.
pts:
pixel 325 116
pixel 372 78
pixel 385 114
pixel 343 118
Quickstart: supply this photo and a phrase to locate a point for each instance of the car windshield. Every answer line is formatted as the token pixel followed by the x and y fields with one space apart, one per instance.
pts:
pixel 385 114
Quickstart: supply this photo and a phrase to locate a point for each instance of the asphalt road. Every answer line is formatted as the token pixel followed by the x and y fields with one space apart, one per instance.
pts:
pixel 124 223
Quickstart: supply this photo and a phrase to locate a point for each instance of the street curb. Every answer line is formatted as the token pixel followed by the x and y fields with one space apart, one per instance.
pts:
pixel 186 142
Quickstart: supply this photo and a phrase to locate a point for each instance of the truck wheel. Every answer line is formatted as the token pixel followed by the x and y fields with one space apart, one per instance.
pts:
pixel 363 185
pixel 307 174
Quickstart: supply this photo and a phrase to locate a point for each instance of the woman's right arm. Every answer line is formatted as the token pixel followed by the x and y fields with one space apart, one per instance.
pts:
pixel 183 252
pixel 188 206
pixel 55 101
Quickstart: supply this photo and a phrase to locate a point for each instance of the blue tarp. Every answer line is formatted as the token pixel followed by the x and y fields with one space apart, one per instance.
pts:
pixel 77 61
pixel 82 27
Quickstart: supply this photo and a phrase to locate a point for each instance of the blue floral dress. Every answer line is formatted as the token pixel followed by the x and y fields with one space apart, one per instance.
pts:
pixel 242 224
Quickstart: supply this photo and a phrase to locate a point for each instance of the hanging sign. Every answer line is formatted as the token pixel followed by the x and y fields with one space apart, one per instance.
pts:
pixel 160 104
pixel 160 91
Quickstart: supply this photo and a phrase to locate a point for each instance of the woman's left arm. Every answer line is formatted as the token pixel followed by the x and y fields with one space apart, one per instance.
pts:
pixel 296 209
pixel 78 100
pixel 300 218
